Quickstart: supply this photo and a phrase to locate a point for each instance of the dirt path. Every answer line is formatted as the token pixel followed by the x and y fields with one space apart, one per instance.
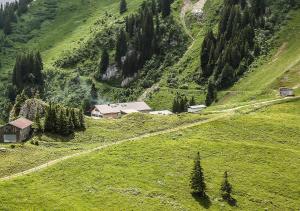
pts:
pixel 53 162
pixel 225 113
pixel 187 5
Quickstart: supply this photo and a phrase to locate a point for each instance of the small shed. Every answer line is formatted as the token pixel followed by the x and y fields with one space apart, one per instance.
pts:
pixel 16 131
pixel 286 92
pixel 196 108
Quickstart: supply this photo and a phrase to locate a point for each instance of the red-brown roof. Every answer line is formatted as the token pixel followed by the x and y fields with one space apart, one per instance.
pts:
pixel 21 123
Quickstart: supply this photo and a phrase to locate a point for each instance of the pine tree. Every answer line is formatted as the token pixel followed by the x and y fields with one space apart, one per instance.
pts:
pixel 94 92
pixel 211 95
pixel 226 188
pixel 123 6
pixel 197 178
pixel 121 47
pixel 165 7
pixel 192 101
pixel 104 62
pixel 38 124
pixel 48 120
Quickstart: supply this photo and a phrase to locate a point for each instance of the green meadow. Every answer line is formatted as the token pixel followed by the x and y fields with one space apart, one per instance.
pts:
pixel 260 150
pixel 98 133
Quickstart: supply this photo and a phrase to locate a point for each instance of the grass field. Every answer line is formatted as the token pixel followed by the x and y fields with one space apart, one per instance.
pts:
pixel 260 150
pixel 99 132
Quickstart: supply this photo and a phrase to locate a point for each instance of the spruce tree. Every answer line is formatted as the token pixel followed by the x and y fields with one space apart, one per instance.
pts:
pixel 123 6
pixel 192 101
pixel 121 47
pixel 165 7
pixel 211 95
pixel 38 124
pixel 226 188
pixel 104 62
pixel 197 182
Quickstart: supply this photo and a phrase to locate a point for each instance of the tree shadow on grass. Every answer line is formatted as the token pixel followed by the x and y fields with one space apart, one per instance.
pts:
pixel 232 202
pixel 204 201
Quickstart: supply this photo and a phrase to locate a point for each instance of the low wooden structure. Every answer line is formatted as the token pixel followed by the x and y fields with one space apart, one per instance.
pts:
pixel 16 131
pixel 119 109
pixel 196 108
pixel 286 92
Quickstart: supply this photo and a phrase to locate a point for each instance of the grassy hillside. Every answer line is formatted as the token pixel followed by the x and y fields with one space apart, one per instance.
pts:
pixel 98 133
pixel 268 74
pixel 260 153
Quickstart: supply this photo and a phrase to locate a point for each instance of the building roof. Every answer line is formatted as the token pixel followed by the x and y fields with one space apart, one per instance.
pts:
pixel 286 89
pixel 197 106
pixel 129 111
pixel 21 123
pixel 164 112
pixel 118 107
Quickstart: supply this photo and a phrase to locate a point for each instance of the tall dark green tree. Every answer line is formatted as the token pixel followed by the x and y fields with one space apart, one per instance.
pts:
pixel 121 47
pixel 197 182
pixel 165 7
pixel 211 95
pixel 104 63
pixel 123 6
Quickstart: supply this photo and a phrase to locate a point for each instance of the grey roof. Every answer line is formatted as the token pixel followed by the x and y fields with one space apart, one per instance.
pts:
pixel 197 106
pixel 118 107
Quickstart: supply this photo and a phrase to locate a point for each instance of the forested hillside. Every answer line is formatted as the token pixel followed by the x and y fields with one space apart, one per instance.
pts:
pixel 83 52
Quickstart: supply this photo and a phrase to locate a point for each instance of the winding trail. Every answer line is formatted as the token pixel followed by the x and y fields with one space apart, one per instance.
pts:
pixel 223 113
pixel 53 162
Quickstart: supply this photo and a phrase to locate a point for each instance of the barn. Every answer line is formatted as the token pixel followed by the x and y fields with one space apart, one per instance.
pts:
pixel 16 131
pixel 116 110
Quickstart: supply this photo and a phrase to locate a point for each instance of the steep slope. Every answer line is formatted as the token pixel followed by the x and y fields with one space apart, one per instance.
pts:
pixel 280 69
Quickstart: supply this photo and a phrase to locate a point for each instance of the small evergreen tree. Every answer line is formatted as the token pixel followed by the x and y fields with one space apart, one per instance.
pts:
pixel 38 125
pixel 197 178
pixel 123 6
pixel 226 188
pixel 192 101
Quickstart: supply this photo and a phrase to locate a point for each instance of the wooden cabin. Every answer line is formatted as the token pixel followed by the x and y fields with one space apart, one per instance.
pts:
pixel 286 92
pixel 16 131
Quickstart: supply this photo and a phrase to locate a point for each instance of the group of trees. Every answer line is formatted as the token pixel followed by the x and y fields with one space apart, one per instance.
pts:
pixel 199 187
pixel 227 55
pixel 62 120
pixel 9 12
pixel 140 39
pixel 181 103
pixel 27 72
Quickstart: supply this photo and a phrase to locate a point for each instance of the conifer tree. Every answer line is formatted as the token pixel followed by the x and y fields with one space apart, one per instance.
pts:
pixel 121 47
pixel 192 101
pixel 197 182
pixel 123 6
pixel 104 62
pixel 226 188
pixel 165 7
pixel 38 124
pixel 211 95
pixel 47 124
